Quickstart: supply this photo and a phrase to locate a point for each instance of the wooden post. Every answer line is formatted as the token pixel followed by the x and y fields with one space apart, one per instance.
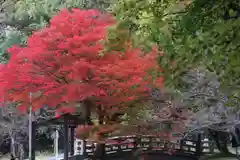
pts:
pixel 56 143
pixel 83 147
pixel 181 144
pixel 33 141
pixel 72 141
pixel 65 138
pixel 199 145
pixel 100 151
pixel 30 122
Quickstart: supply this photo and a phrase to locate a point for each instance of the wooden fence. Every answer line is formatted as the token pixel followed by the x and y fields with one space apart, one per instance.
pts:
pixel 119 145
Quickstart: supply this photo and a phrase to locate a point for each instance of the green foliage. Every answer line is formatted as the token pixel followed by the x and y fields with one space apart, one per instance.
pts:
pixel 213 39
pixel 9 37
pixel 191 33
pixel 152 22
pixel 26 16
pixel 40 11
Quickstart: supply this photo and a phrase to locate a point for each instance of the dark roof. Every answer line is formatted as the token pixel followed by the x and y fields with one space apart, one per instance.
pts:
pixel 72 119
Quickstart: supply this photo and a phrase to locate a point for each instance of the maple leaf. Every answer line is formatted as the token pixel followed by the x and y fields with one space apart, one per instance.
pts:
pixel 63 65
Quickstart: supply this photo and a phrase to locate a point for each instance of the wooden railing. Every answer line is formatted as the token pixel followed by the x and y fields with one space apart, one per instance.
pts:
pixel 189 146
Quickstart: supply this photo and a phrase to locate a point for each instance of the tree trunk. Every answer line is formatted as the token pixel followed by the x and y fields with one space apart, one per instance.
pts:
pixel 87 112
pixel 100 147
pixel 13 146
pixel 100 115
pixel 221 140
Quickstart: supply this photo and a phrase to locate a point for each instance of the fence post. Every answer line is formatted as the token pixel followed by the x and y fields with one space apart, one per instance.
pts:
pixel 199 145
pixel 56 143
pixel 33 140
pixel 150 143
pixel 181 144
pixel 72 140
pixel 100 151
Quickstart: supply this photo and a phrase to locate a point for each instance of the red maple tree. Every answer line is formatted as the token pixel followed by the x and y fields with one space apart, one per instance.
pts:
pixel 63 64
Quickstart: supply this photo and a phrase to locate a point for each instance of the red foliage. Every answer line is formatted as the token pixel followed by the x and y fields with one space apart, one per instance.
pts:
pixel 62 64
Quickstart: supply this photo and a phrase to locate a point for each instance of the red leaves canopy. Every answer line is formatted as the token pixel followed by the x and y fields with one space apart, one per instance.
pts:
pixel 63 64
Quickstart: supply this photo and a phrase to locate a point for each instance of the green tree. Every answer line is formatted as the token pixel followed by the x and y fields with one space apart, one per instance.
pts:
pixel 191 33
pixel 37 13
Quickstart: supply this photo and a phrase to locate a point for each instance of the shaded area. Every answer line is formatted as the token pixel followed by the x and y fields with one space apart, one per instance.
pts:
pixel 152 156
pixel 167 157
pixel 69 122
